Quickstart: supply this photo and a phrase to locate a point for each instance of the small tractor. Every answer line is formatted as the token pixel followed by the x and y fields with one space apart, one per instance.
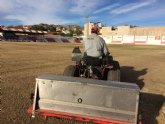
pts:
pixel 89 91
pixel 91 67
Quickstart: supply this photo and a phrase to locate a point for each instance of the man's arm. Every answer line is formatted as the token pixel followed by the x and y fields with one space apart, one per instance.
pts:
pixel 105 48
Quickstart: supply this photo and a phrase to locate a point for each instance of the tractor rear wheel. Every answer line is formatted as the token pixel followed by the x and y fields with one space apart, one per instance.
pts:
pixel 116 65
pixel 113 75
pixel 71 71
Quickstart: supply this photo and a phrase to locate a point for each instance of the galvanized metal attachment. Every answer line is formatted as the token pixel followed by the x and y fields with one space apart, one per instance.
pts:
pixel 99 99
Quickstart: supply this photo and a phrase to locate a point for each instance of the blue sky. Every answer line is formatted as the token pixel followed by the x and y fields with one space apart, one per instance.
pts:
pixel 65 12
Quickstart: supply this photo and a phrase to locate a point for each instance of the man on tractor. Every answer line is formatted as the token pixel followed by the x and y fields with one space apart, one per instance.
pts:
pixel 96 62
pixel 95 47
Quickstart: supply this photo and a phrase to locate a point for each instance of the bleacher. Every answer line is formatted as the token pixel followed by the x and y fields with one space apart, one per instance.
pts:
pixel 34 39
pixel 50 40
pixel 64 40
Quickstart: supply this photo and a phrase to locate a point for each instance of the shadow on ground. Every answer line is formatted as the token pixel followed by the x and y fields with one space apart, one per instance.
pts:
pixel 149 104
pixel 128 74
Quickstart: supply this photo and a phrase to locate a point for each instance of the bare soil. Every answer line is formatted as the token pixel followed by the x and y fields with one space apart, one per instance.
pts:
pixel 21 63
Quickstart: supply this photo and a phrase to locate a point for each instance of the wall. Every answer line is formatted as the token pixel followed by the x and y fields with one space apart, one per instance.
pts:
pixel 120 30
pixel 147 31
pixel 134 39
pixel 131 35
pixel 127 30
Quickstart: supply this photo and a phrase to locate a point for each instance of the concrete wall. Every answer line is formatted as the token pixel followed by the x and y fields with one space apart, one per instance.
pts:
pixel 107 31
pixel 147 31
pixel 126 30
pixel 120 30
pixel 130 35
pixel 134 39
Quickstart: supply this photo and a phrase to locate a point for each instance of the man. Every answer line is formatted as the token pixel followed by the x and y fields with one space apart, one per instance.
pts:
pixel 95 51
pixel 95 46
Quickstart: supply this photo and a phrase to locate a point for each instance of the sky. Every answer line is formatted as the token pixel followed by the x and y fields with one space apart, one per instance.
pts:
pixel 75 12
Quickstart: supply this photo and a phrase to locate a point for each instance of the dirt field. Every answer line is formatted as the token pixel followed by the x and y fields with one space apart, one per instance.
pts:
pixel 20 63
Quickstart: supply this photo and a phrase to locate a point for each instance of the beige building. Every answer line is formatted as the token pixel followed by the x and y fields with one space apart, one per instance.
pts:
pixel 120 30
pixel 87 28
pixel 126 30
pixel 148 31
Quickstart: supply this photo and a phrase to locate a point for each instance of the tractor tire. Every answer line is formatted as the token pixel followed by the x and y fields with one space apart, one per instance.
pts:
pixel 113 75
pixel 116 65
pixel 71 71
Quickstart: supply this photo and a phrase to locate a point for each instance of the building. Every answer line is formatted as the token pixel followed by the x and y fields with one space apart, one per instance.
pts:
pixel 89 25
pixel 126 30
pixel 130 34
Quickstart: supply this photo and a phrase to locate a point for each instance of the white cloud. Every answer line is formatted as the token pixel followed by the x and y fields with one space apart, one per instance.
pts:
pixel 146 11
pixel 34 12
pixel 110 7
pixel 131 6
pixel 5 6
pixel 141 16
pixel 45 6
pixel 32 19
pixel 85 7
pixel 73 11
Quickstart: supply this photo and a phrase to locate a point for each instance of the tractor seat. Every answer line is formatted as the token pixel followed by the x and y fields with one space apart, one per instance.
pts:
pixel 92 61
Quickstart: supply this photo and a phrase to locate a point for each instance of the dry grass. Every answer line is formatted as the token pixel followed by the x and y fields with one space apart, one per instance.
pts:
pixel 20 63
